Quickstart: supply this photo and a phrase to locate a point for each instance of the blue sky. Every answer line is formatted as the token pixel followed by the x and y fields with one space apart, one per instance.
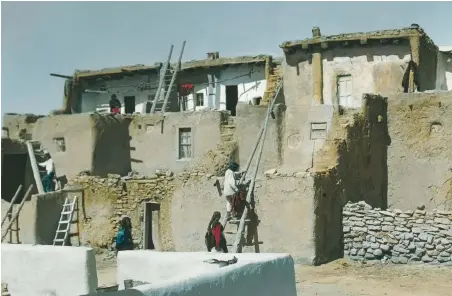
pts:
pixel 39 38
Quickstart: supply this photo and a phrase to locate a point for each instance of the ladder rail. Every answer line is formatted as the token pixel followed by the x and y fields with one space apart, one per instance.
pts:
pixel 162 77
pixel 34 167
pixel 62 221
pixel 240 233
pixel 10 207
pixel 16 215
pixel 173 79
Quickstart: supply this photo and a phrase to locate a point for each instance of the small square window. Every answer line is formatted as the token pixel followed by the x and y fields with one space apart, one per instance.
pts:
pixel 60 144
pixel 185 144
pixel 199 99
pixel 318 130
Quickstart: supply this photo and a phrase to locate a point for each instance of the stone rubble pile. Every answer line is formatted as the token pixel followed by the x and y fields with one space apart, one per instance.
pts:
pixel 397 236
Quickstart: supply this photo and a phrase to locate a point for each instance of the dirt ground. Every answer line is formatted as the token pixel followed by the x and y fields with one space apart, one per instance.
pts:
pixel 346 278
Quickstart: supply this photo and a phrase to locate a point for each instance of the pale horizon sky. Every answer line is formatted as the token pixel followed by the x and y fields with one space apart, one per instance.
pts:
pixel 39 38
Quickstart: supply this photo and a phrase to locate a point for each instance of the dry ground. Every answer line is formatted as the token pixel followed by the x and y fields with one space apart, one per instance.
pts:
pixel 345 278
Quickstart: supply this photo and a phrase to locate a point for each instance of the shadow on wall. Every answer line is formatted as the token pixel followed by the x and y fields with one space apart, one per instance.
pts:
pixel 111 142
pixel 360 174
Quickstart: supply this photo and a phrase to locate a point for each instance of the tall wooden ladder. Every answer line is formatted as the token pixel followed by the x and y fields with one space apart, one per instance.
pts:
pixel 64 225
pixel 36 154
pixel 166 82
pixel 249 220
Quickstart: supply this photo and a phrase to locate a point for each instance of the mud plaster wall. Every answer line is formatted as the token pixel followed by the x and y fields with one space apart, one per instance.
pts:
pixel 249 121
pixel 111 145
pixel 79 139
pixel 353 167
pixel 420 155
pixel 291 232
pixel 38 219
pixel 19 124
pixel 428 60
pixel 155 139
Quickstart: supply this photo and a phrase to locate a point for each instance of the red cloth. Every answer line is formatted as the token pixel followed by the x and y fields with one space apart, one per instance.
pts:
pixel 216 231
pixel 116 110
pixel 239 201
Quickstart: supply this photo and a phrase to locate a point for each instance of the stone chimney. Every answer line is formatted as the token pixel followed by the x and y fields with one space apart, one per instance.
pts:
pixel 316 32
pixel 213 55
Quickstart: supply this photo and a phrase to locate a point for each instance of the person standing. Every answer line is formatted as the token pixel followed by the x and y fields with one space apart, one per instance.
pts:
pixel 47 180
pixel 124 240
pixel 115 105
pixel 230 187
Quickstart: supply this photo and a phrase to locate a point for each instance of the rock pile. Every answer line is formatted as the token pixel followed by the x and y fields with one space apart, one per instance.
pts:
pixel 395 235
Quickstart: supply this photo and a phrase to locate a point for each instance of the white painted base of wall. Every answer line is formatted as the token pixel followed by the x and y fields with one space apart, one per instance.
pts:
pixel 37 270
pixel 180 273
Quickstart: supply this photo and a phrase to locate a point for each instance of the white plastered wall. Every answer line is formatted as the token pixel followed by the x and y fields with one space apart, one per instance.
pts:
pixel 37 270
pixel 178 273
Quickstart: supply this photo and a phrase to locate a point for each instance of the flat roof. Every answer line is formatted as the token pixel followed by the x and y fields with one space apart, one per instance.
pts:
pixel 380 34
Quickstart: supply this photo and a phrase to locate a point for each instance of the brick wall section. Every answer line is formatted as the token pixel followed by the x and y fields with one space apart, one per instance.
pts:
pixel 399 236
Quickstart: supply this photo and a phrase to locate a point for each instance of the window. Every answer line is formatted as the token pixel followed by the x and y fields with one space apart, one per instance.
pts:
pixel 185 148
pixel 318 130
pixel 344 91
pixel 60 144
pixel 199 99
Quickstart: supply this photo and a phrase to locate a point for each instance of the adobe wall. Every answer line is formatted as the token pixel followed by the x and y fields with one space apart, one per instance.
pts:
pixel 249 122
pixel 38 219
pixel 155 139
pixel 47 270
pixel 168 273
pixel 20 126
pixel 111 143
pixel 350 167
pixel 77 132
pixel 420 156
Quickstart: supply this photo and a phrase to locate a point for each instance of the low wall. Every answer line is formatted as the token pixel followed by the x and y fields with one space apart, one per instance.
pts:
pixel 188 274
pixel 399 236
pixel 47 270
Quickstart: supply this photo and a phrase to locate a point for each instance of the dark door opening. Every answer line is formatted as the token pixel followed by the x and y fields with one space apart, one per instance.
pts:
pixel 232 97
pixel 151 211
pixel 13 175
pixel 129 105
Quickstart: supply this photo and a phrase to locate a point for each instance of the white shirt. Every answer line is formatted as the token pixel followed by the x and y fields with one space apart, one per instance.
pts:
pixel 229 185
pixel 48 164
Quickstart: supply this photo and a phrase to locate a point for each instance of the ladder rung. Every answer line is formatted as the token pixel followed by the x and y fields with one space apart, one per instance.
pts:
pixel 62 231
pixel 65 221
pixel 238 221
pixel 66 212
pixel 58 240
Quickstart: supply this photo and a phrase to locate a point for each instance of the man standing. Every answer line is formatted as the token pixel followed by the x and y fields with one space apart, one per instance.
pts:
pixel 47 180
pixel 115 105
pixel 230 187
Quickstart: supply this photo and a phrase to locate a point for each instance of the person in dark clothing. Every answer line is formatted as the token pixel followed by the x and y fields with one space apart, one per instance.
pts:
pixel 115 105
pixel 214 236
pixel 406 77
pixel 124 239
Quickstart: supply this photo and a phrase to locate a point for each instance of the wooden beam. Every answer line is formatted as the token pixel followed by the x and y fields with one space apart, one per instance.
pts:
pixel 8 212
pixel 34 166
pixel 61 76
pixel 16 215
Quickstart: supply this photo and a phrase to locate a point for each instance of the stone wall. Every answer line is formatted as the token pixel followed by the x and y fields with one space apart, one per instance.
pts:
pixel 395 235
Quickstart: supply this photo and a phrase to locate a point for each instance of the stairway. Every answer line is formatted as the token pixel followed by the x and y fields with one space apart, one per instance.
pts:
pixel 272 84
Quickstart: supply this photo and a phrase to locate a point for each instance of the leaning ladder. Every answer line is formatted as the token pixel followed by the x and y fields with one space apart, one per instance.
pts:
pixel 161 92
pixel 240 236
pixel 64 224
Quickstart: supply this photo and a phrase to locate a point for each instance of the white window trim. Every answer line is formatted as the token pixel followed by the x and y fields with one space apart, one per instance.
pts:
pixel 177 141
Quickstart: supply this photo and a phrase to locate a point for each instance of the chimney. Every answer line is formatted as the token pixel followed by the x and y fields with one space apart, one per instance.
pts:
pixel 316 32
pixel 213 55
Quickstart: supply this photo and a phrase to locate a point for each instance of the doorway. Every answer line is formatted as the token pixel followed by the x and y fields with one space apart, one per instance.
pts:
pixel 232 98
pixel 13 175
pixel 129 105
pixel 150 229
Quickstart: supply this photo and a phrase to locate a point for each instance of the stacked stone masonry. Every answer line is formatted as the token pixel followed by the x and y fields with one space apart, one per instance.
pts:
pixel 397 236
